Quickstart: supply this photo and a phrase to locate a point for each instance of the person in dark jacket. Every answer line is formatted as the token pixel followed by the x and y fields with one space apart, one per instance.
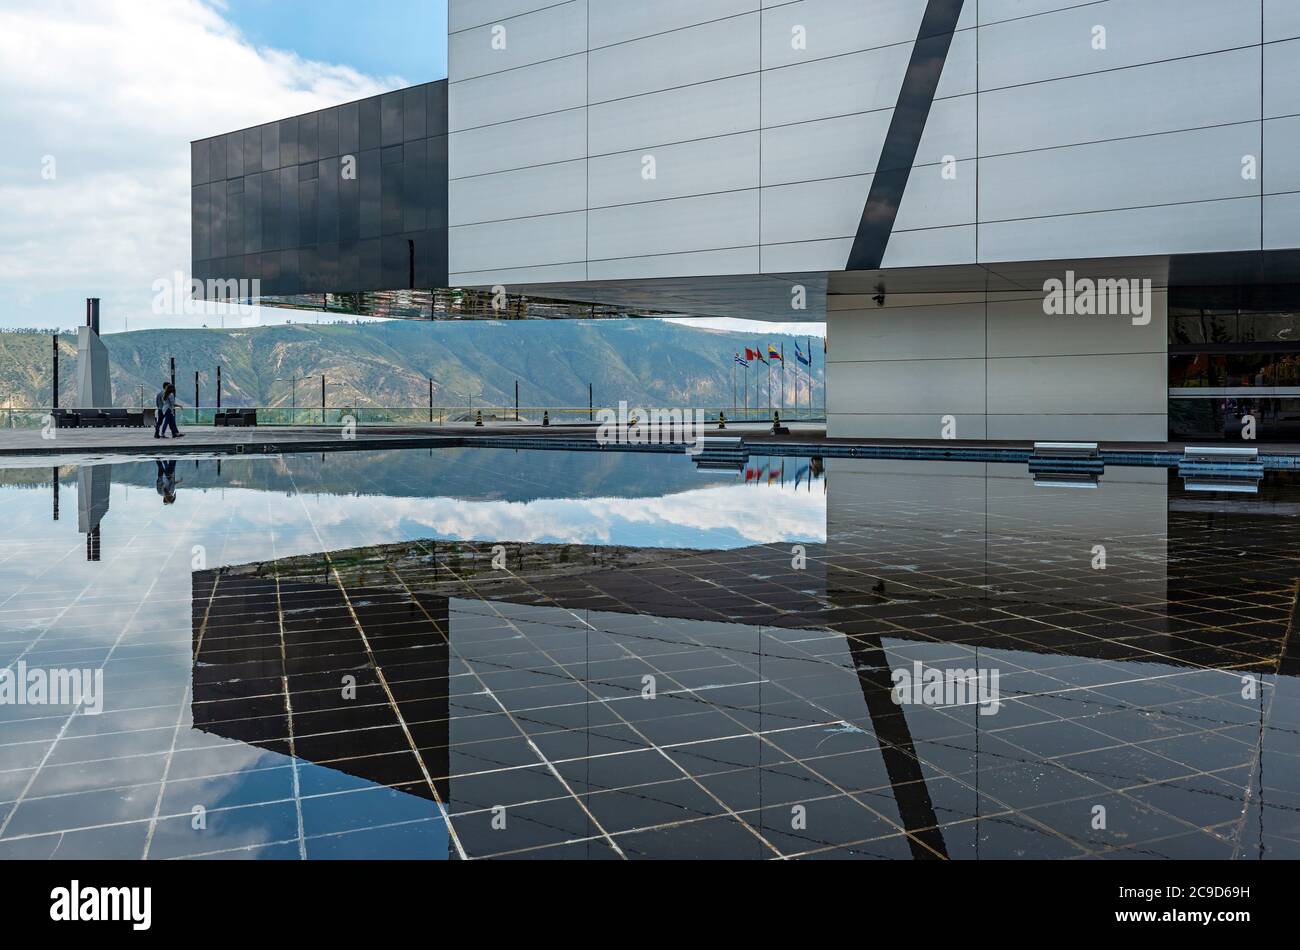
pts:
pixel 169 410
pixel 158 402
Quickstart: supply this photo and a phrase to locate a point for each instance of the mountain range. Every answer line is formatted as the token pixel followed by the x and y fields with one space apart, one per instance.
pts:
pixel 646 362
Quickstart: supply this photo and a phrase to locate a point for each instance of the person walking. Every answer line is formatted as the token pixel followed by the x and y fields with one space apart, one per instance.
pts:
pixel 158 411
pixel 169 410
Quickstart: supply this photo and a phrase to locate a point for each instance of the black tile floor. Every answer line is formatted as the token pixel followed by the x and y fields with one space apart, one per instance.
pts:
pixel 310 688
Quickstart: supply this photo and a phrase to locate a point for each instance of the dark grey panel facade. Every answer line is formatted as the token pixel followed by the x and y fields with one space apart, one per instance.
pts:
pixel 347 199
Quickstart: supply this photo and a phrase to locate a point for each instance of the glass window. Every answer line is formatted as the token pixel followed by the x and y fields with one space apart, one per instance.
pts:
pixel 437 99
pixel 414 113
pixel 217 151
pixel 391 104
pixel 369 117
pixel 392 175
pixel 327 134
pixel 349 129
pixel 368 177
pixel 308 130
pixel 415 193
pixel 397 264
pixel 235 222
pixel 349 209
pixel 289 207
pixel 199 173
pixel 200 223
pixel 270 146
pixel 270 211
pixel 288 142
pixel 217 203
pixel 327 217
pixel 253 214
pixel 252 150
pixel 350 266
pixel 327 267
pixel 371 272
pixel 437 182
pixel 235 155
pixel 307 212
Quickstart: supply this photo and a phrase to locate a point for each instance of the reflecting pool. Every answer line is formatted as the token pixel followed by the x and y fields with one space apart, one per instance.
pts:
pixel 477 652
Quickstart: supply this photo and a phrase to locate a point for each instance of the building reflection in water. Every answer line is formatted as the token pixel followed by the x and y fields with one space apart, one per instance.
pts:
pixel 94 486
pixel 523 685
pixel 463 675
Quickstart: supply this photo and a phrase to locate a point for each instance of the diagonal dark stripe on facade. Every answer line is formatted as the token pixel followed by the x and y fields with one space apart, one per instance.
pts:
pixel 904 136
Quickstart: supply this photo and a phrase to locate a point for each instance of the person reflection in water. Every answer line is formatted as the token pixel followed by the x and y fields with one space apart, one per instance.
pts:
pixel 166 480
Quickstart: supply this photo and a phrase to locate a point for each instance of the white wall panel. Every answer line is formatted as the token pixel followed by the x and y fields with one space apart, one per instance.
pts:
pixel 949 130
pixel 858 82
pixel 1034 49
pixel 1018 328
pixel 1230 225
pixel 827 148
pixel 681 58
pixel 617 21
pixel 835 27
pixel 1127 173
pixel 1281 221
pixel 532 38
pixel 1280 169
pixel 805 256
pixel 743 260
pixel 521 193
pixel 934 201
pixel 932 247
pixel 814 210
pixel 463 14
pixel 1217 89
pixel 1282 79
pixel 893 372
pixel 765 153
pixel 542 140
pixel 684 224
pixel 531 90
pixel 723 107
pixel 527 242
pixel 1113 384
pixel 1281 20
pixel 701 167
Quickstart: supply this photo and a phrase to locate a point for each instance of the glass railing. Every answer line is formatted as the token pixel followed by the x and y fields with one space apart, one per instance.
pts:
pixel 39 417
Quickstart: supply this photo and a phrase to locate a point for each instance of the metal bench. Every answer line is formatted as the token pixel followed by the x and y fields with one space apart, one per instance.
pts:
pixel 1066 464
pixel 1228 468
pixel 235 417
pixel 721 452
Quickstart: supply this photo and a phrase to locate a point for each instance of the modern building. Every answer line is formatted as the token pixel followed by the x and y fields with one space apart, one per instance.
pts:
pixel 972 195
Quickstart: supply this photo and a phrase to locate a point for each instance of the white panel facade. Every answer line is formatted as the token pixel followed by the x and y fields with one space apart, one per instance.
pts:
pixel 681 121
pixel 1058 129
pixel 996 368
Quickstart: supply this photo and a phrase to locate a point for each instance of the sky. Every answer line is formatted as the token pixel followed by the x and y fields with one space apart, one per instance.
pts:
pixel 99 100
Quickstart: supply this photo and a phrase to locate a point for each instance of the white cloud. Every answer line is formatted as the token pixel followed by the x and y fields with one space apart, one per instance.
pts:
pixel 114 91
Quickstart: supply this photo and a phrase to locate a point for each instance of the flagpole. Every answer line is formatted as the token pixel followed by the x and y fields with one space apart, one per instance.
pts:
pixel 783 383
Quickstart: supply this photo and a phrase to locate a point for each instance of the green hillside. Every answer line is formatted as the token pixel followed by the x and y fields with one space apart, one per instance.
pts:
pixel 646 362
